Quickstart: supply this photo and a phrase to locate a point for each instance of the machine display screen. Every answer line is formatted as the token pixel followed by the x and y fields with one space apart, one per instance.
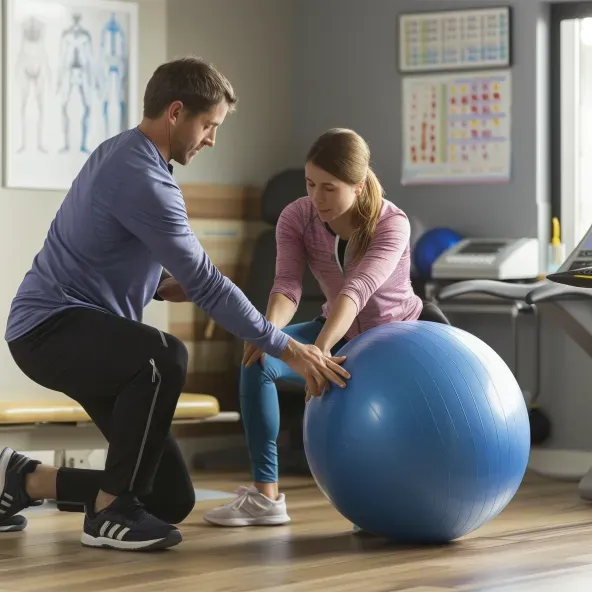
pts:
pixel 586 247
pixel 484 248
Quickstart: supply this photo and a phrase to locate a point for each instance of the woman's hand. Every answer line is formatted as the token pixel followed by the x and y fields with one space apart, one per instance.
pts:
pixel 251 355
pixel 171 291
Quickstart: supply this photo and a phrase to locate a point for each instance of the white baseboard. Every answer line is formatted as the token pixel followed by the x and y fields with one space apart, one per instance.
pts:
pixel 95 458
pixel 565 465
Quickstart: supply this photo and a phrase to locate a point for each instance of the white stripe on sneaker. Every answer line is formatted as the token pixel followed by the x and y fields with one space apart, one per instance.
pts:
pixel 4 462
pixel 104 527
pixel 112 530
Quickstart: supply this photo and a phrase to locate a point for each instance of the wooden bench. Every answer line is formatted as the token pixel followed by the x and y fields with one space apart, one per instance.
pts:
pixel 58 423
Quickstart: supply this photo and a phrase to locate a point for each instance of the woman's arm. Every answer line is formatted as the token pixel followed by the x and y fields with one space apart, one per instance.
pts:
pixel 291 254
pixel 289 270
pixel 378 263
pixel 280 310
pixel 343 314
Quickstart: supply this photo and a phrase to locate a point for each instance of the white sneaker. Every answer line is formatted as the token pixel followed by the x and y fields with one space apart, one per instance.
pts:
pixel 250 508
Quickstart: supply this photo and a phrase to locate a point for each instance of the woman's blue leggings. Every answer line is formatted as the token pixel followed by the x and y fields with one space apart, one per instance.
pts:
pixel 260 406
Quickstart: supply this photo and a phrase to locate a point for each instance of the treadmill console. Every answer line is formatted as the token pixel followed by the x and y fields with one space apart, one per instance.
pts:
pixel 489 258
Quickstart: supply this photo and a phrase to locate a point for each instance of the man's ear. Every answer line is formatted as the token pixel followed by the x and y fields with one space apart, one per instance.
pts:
pixel 174 111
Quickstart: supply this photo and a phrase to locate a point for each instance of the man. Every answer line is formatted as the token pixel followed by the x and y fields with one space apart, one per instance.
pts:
pixel 74 325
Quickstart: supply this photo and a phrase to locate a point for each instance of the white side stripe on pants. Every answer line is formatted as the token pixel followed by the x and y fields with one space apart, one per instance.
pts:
pixel 155 375
pixel 163 338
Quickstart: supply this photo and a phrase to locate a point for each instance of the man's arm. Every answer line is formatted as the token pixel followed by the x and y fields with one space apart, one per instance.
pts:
pixel 154 211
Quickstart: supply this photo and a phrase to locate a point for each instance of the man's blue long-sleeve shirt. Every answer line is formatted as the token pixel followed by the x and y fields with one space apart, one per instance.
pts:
pixel 122 221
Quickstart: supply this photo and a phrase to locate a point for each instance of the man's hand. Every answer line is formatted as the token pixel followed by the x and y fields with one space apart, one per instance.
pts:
pixel 314 367
pixel 251 355
pixel 325 385
pixel 171 290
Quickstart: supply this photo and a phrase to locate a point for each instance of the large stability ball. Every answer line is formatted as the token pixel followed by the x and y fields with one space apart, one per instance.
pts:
pixel 429 440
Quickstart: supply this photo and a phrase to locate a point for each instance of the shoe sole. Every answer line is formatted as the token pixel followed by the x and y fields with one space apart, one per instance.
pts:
pixel 14 527
pixel 172 539
pixel 236 522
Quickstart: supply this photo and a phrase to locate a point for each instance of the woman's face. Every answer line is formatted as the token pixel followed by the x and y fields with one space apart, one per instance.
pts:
pixel 330 196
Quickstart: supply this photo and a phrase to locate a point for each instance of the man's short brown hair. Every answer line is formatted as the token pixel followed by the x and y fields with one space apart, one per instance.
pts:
pixel 197 84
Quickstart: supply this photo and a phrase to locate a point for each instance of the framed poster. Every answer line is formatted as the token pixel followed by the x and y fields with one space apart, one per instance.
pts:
pixel 457 128
pixel 70 82
pixel 455 40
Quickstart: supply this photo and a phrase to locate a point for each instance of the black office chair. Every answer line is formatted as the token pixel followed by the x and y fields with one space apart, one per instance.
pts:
pixel 281 190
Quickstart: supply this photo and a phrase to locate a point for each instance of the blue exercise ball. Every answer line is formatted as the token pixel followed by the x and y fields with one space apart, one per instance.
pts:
pixel 429 440
pixel 430 245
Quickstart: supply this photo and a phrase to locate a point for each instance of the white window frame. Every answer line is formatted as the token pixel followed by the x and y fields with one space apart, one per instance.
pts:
pixel 570 132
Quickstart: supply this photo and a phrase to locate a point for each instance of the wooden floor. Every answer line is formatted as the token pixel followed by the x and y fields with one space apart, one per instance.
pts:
pixel 542 542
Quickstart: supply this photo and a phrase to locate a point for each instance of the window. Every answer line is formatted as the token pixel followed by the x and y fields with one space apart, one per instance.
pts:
pixel 571 106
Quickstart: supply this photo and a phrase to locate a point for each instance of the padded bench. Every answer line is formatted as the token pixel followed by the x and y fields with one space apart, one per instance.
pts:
pixel 59 423
pixel 190 407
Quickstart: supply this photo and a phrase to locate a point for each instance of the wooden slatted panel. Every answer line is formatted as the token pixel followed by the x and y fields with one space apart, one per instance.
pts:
pixel 225 219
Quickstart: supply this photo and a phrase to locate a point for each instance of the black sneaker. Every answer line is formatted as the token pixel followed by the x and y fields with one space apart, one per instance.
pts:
pixel 126 526
pixel 13 524
pixel 17 522
pixel 13 470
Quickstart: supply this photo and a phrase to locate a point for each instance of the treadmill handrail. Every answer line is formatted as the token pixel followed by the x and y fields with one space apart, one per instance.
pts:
pixel 498 288
pixel 552 292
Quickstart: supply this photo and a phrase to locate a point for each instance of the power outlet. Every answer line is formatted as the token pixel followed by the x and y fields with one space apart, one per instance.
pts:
pixel 85 459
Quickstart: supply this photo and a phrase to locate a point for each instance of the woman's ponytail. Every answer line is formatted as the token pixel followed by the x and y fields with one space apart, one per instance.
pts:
pixel 366 213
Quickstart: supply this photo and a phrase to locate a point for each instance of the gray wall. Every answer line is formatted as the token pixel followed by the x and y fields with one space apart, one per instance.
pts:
pixel 250 42
pixel 345 74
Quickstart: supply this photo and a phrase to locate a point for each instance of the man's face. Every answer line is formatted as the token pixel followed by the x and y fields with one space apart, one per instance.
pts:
pixel 190 133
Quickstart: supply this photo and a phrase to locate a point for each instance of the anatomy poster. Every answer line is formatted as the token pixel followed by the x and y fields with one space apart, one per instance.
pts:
pixel 70 83
pixel 457 128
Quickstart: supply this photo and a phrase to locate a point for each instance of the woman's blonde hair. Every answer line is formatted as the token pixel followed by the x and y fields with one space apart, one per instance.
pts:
pixel 344 154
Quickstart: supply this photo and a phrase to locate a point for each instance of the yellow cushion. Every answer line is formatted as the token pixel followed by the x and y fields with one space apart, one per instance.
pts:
pixel 190 406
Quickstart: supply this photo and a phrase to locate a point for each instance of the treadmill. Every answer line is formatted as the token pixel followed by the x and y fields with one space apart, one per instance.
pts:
pixel 567 301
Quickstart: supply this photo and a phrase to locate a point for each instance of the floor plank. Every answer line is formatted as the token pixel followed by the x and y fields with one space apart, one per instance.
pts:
pixel 541 543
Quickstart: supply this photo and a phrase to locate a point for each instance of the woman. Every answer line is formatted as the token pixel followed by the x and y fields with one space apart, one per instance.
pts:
pixel 356 244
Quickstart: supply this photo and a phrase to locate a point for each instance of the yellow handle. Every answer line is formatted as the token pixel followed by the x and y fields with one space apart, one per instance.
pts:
pixel 556 238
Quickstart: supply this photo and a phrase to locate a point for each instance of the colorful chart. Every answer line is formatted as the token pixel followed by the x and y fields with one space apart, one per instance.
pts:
pixel 454 39
pixel 456 128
